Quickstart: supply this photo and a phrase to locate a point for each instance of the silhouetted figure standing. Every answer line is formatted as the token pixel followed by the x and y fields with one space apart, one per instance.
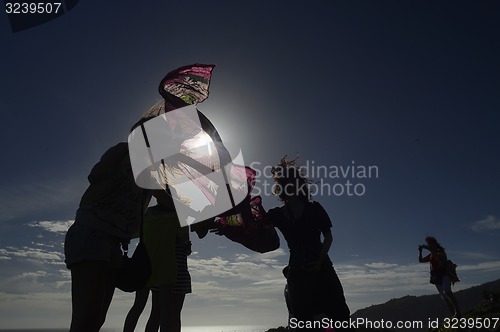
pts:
pixel 313 285
pixel 439 276
pixel 110 212
pixel 168 245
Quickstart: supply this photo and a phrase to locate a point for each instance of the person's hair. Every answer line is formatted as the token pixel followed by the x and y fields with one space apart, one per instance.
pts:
pixel 432 241
pixel 161 106
pixel 288 175
pixel 173 168
pixel 157 108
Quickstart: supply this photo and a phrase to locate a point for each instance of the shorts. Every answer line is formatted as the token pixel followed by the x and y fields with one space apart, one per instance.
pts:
pixel 445 285
pixel 84 242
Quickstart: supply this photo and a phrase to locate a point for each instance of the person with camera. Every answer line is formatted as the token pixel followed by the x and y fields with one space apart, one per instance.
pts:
pixel 439 276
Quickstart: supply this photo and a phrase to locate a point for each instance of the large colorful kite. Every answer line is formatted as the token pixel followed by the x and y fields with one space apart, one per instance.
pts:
pixel 186 152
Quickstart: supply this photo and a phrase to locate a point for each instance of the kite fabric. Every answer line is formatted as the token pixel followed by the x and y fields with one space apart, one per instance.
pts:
pixel 205 160
pixel 253 230
pixel 189 83
pixel 195 148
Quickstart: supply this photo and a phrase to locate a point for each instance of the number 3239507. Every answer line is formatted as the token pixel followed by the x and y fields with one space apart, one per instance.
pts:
pixel 471 323
pixel 32 8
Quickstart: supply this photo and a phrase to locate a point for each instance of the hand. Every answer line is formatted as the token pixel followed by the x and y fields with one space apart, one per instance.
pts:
pixel 217 230
pixel 202 227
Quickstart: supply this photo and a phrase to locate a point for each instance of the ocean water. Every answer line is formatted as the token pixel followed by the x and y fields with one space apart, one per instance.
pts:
pixel 222 328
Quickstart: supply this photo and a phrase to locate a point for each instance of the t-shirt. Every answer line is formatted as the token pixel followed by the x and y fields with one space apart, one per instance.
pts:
pixel 438 261
pixel 303 234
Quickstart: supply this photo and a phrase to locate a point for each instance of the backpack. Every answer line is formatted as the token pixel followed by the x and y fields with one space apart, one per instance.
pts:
pixel 451 271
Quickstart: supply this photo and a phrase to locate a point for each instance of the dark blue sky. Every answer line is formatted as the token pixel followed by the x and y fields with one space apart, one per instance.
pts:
pixel 409 87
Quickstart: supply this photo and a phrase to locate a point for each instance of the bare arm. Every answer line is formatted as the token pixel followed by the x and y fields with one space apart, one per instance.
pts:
pixel 422 259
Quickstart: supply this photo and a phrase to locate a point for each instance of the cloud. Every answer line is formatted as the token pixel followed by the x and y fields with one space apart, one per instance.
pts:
pixel 490 223
pixel 240 281
pixel 4 254
pixel 481 267
pixel 218 267
pixel 269 255
pixel 383 278
pixel 53 226
pixel 25 282
pixel 232 282
pixel 380 265
pixel 475 255
pixel 36 266
pixel 33 254
pixel 250 279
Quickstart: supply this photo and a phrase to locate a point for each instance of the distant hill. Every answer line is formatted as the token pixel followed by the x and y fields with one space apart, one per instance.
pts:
pixel 423 308
pixel 478 301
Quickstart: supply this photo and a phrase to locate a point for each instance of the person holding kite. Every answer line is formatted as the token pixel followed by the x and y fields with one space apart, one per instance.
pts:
pixel 112 207
pixel 313 287
pixel 109 213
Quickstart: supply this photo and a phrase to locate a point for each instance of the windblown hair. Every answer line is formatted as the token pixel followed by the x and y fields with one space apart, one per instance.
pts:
pixel 290 180
pixel 171 168
pixel 157 108
pixel 432 241
pixel 160 107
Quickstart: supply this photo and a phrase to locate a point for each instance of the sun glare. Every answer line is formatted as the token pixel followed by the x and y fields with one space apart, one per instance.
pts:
pixel 201 139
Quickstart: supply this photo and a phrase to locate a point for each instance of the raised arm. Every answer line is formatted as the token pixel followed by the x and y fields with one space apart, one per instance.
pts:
pixel 420 258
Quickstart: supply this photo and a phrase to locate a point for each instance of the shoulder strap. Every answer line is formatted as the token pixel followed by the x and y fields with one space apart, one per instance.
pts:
pixel 141 226
pixel 141 229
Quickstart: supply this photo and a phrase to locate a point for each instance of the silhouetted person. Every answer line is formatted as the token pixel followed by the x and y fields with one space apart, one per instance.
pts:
pixel 168 245
pixel 182 284
pixel 110 212
pixel 140 300
pixel 439 274
pixel 313 285
pixel 160 228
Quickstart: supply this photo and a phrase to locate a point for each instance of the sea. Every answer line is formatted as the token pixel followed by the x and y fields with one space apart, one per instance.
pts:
pixel 222 328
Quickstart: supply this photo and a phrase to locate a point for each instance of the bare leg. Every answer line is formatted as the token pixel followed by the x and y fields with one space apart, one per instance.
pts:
pixel 444 297
pixel 166 307
pixel 141 298
pixel 92 288
pixel 178 303
pixel 108 293
pixel 444 290
pixel 153 323
pixel 453 304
